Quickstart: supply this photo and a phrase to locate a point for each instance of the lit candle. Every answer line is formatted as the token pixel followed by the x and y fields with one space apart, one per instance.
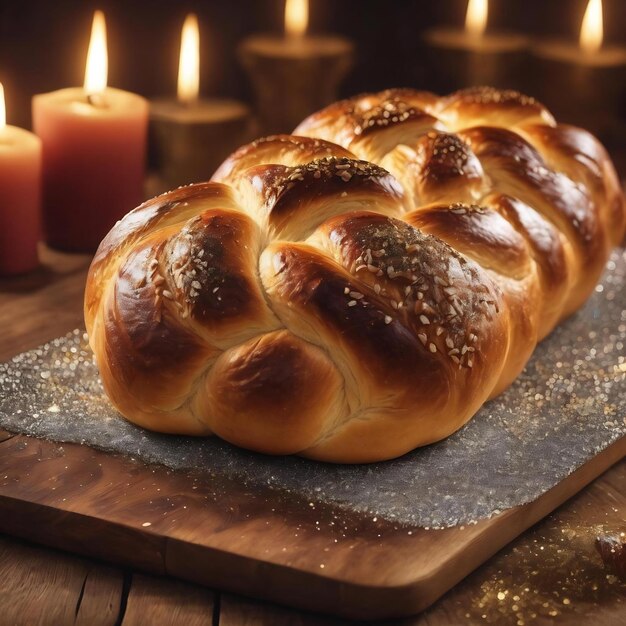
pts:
pixel 295 74
pixel 94 143
pixel 189 136
pixel 472 56
pixel 584 82
pixel 589 50
pixel 20 179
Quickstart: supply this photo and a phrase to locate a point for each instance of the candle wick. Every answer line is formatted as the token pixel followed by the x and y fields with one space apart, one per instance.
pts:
pixel 96 100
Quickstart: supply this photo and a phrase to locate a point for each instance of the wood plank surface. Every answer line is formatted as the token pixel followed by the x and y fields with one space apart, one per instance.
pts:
pixel 162 601
pixel 43 304
pixel 46 587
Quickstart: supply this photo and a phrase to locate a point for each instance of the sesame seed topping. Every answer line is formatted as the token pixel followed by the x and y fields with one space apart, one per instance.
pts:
pixel 352 303
pixel 424 319
pixel 432 347
pixel 423 338
pixel 387 319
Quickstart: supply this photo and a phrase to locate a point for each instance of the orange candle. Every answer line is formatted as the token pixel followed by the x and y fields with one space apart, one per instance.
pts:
pixel 20 178
pixel 94 144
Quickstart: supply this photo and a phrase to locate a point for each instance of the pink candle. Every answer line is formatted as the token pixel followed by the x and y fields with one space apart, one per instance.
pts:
pixel 20 180
pixel 94 144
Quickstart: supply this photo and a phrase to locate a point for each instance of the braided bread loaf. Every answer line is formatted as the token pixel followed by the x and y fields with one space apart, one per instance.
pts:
pixel 360 288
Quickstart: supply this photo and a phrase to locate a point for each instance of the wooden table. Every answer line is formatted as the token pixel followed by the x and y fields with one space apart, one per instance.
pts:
pixel 550 575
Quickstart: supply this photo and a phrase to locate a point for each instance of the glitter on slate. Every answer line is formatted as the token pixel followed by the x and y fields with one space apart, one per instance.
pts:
pixel 568 405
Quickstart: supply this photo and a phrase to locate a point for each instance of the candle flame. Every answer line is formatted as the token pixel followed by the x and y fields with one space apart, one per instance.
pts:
pixel 97 59
pixel 3 111
pixel 476 17
pixel 296 17
pixel 592 29
pixel 189 64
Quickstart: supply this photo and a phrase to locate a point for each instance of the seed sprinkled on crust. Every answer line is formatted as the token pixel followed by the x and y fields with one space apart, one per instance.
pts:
pixel 432 347
pixel 387 319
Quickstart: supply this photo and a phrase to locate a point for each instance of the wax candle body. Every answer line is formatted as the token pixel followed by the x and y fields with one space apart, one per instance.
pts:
pixel 20 182
pixel 189 141
pixel 587 89
pixel 293 77
pixel 93 162
pixel 460 59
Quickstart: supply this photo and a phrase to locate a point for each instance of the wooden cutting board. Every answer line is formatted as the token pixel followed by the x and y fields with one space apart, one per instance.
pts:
pixel 215 531
pixel 262 544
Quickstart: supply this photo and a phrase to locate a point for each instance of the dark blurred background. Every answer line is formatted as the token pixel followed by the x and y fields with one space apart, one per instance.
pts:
pixel 43 43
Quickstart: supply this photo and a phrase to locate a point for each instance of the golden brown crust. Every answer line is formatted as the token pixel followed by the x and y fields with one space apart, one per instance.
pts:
pixel 275 394
pixel 362 288
pixel 288 150
pixel 290 202
pixel 475 106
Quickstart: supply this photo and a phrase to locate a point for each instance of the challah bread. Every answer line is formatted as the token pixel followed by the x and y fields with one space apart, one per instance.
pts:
pixel 360 288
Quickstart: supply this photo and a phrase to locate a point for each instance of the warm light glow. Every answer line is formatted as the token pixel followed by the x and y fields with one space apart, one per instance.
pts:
pixel 592 30
pixel 296 17
pixel 3 112
pixel 476 17
pixel 189 64
pixel 97 60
